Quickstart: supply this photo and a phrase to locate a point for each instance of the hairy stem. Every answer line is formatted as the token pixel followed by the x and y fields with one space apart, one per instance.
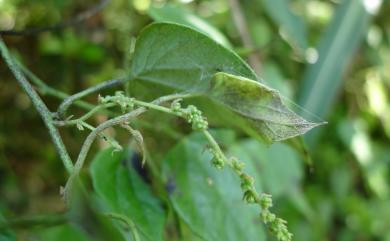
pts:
pixel 84 117
pixel 61 112
pixel 117 121
pixel 110 123
pixel 40 106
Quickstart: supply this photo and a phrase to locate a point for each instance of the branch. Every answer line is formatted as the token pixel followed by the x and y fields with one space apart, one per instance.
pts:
pixel 39 106
pixel 81 17
pixel 113 122
pixel 61 112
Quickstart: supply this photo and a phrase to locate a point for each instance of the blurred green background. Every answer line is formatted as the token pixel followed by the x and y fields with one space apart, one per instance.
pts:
pixel 330 57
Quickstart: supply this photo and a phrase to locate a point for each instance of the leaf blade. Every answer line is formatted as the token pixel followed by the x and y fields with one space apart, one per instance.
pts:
pixel 209 200
pixel 125 193
pixel 185 60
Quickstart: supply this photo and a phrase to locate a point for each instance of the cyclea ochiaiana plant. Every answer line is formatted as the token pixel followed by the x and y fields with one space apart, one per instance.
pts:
pixel 192 78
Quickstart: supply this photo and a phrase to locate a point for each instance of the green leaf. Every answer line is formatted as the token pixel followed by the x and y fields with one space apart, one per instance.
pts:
pixel 260 105
pixel 83 213
pixel 63 232
pixel 292 25
pixel 177 14
pixel 323 79
pixel 207 199
pixel 183 59
pixel 278 160
pixel 125 193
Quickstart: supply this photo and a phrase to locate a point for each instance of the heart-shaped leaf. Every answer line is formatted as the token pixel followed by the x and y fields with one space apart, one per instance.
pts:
pixel 186 60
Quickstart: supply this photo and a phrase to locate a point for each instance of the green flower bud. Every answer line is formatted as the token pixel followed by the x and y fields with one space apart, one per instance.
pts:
pixel 217 161
pixel 246 181
pixel 176 106
pixel 237 165
pixel 249 196
pixel 267 216
pixel 265 201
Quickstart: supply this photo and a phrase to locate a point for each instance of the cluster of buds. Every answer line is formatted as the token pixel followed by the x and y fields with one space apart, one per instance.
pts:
pixel 277 226
pixel 191 114
pixel 218 159
pixel 248 188
pixel 126 103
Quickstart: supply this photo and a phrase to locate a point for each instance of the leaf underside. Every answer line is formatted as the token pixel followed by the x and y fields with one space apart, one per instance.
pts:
pixel 186 60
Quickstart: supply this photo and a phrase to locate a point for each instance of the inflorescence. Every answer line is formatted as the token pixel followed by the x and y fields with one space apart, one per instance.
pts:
pixel 277 226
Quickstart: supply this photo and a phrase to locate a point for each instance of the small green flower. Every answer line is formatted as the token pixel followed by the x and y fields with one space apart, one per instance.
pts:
pixel 194 117
pixel 246 181
pixel 279 228
pixel 265 201
pixel 267 216
pixel 176 106
pixel 217 161
pixel 237 165
pixel 249 196
pixel 126 103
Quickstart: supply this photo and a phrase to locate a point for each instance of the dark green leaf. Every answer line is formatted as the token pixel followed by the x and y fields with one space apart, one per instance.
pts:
pixel 83 213
pixel 125 193
pixel 207 199
pixel 184 59
pixel 181 58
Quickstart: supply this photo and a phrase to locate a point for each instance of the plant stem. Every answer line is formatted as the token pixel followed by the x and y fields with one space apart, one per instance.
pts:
pixel 40 106
pixel 44 89
pixel 116 121
pixel 61 112
pixel 113 122
pixel 84 117
pixel 129 223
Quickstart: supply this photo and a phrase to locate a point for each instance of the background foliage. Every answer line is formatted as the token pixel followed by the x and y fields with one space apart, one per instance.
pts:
pixel 331 57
